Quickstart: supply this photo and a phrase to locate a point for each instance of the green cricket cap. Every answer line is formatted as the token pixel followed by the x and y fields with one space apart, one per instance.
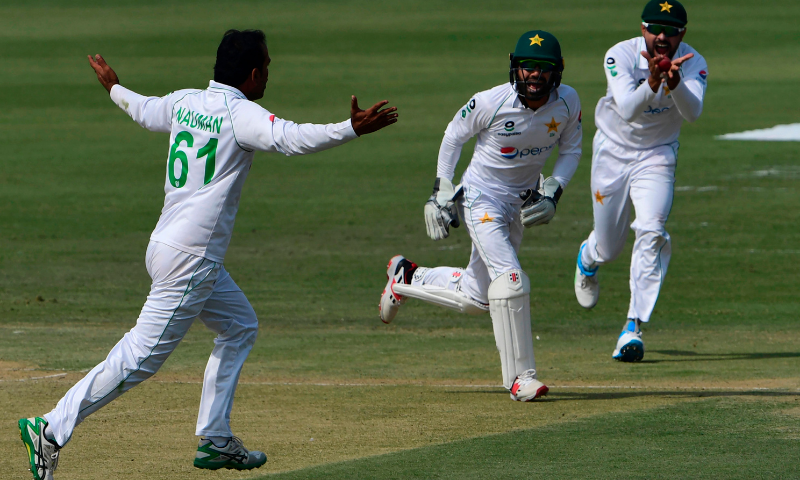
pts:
pixel 539 45
pixel 665 12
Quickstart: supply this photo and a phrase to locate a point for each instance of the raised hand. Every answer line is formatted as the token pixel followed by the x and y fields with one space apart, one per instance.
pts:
pixel 371 119
pixel 105 74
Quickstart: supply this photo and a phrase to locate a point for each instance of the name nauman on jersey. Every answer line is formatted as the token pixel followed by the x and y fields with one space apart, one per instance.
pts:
pixel 198 121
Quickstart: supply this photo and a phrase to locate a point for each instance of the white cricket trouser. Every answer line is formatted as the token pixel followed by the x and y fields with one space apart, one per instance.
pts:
pixel 184 286
pixel 646 178
pixel 496 232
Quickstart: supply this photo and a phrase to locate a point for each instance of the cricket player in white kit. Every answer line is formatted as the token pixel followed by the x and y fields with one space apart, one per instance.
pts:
pixel 635 152
pixel 214 134
pixel 518 125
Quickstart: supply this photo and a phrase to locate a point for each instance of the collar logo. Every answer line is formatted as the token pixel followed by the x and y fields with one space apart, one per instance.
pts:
pixel 665 7
pixel 537 40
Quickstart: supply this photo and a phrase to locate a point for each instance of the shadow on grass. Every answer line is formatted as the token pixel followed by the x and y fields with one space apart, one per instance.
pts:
pixel 555 396
pixel 716 357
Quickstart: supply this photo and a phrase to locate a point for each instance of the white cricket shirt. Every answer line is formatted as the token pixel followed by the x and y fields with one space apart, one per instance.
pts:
pixel 214 134
pixel 631 114
pixel 513 141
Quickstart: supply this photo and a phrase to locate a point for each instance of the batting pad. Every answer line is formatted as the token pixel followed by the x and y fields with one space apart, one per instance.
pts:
pixel 442 297
pixel 510 308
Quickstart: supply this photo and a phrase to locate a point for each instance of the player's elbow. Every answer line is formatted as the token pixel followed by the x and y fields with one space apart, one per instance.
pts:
pixel 627 114
pixel 693 115
pixel 627 110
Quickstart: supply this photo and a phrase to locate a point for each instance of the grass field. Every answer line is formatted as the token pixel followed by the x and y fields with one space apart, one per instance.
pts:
pixel 329 391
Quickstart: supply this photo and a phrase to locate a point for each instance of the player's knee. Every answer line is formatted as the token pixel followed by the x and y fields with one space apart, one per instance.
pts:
pixel 243 330
pixel 510 284
pixel 653 235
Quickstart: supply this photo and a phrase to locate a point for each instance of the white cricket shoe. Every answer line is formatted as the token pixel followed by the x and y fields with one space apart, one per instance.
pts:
pixel 42 453
pixel 630 347
pixel 232 456
pixel 527 388
pixel 587 287
pixel 400 271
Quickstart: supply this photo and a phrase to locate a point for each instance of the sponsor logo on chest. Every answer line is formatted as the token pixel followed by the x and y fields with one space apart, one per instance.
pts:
pixel 513 152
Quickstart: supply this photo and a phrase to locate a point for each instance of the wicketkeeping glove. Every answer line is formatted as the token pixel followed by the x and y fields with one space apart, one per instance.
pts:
pixel 540 204
pixel 441 210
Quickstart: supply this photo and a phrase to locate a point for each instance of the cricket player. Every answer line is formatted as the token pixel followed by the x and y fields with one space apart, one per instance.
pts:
pixel 214 134
pixel 518 125
pixel 635 152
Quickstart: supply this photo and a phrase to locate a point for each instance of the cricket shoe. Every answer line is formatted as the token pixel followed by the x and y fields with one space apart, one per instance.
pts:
pixel 42 453
pixel 232 456
pixel 401 271
pixel 587 287
pixel 526 388
pixel 630 347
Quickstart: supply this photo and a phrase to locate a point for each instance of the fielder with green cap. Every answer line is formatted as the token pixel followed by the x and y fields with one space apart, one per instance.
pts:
pixel 518 125
pixel 655 82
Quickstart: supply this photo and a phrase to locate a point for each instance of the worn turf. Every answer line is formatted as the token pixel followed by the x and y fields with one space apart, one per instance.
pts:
pixel 82 186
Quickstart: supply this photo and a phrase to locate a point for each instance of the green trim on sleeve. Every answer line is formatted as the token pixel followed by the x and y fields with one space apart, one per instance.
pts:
pixel 565 104
pixel 230 117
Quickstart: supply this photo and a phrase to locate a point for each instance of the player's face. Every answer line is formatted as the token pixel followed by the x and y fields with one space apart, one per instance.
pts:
pixel 535 80
pixel 263 76
pixel 661 44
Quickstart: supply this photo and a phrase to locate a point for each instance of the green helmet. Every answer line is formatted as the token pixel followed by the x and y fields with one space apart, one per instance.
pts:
pixel 536 45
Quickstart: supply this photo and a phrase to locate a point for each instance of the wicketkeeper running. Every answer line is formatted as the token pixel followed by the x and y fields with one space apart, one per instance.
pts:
pixel 518 124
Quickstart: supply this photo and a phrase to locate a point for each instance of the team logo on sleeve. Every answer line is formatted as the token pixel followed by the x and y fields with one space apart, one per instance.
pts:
pixel 468 109
pixel 610 65
pixel 508 152
pixel 703 74
pixel 580 114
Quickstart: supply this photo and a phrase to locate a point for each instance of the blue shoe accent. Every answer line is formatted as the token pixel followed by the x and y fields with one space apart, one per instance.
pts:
pixel 630 326
pixel 585 271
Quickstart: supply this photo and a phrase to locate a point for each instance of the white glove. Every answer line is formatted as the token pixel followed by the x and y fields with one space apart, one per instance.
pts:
pixel 540 204
pixel 440 209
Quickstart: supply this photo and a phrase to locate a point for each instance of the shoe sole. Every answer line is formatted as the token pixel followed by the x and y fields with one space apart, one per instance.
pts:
pixel 631 352
pixel 540 392
pixel 386 302
pixel 229 466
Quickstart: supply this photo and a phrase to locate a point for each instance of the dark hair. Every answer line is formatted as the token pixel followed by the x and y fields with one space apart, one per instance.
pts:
pixel 238 54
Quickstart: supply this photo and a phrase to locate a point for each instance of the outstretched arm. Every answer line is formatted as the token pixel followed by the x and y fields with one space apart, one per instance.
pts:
pixel 258 129
pixel 152 113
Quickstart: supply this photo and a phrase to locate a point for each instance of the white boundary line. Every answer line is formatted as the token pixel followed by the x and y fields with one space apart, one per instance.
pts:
pixel 425 385
pixel 36 378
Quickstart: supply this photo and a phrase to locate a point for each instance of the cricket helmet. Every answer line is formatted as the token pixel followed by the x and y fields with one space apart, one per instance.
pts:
pixel 536 45
pixel 665 12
